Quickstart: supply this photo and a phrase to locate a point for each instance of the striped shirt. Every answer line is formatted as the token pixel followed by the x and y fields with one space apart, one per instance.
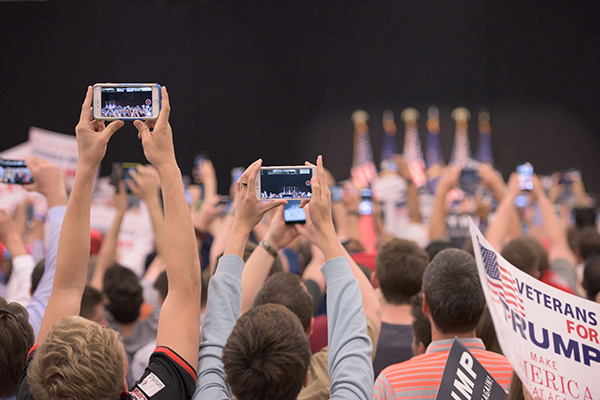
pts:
pixel 420 377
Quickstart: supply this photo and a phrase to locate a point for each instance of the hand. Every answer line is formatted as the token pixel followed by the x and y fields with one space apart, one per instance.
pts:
pixel 280 234
pixel 207 213
pixel 538 188
pixel 490 178
pixel 320 201
pixel 513 185
pixel 350 197
pixel 92 135
pixel 144 182
pixel 402 165
pixel 308 230
pixel 449 178
pixel 120 199
pixel 7 226
pixel 158 143
pixel 47 180
pixel 248 210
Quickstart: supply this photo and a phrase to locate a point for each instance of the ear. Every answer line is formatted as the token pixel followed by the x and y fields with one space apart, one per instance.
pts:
pixel 310 328
pixel 375 280
pixel 124 389
pixel 306 379
pixel 426 310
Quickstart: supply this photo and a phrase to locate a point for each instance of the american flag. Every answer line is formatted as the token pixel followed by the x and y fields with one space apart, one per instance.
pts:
pixel 363 169
pixel 501 283
pixel 433 151
pixel 413 154
pixel 484 145
pixel 461 151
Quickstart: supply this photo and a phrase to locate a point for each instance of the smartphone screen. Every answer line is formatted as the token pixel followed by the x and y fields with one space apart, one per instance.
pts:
pixel 15 172
pixel 365 207
pixel 336 193
pixel 126 102
pixel 525 172
pixel 468 181
pixel 293 214
pixel 284 183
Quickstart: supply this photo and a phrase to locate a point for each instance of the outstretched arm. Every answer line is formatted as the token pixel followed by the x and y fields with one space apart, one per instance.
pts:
pixel 74 242
pixel 179 321
pixel 437 221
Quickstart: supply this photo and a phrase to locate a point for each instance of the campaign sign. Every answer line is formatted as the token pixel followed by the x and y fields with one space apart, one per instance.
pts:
pixel 549 336
pixel 465 378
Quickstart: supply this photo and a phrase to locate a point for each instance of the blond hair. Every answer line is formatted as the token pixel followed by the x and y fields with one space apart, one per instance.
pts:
pixel 78 359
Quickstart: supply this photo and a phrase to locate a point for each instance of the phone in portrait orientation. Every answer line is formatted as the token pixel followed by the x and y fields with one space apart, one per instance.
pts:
pixel 15 172
pixel 286 182
pixel 293 214
pixel 365 207
pixel 126 101
pixel 468 181
pixel 122 171
pixel 525 176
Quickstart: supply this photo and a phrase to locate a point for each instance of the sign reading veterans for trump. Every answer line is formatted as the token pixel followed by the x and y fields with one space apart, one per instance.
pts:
pixel 550 337
pixel 465 378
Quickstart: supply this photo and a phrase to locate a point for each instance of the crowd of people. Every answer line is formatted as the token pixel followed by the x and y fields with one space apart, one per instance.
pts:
pixel 113 110
pixel 234 302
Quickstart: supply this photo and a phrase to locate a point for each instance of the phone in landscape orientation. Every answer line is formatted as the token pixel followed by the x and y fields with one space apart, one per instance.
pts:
pixel 15 172
pixel 293 214
pixel 285 182
pixel 365 207
pixel 525 175
pixel 468 181
pixel 126 101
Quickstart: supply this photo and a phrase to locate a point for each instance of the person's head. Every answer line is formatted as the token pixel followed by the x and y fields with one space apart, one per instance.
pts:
pixel 591 277
pixel 267 354
pixel 585 217
pixel 124 292
pixel 400 265
pixel 16 338
pixel 452 293
pixel 78 359
pixel 288 290
pixel 421 326
pixel 522 255
pixel 435 246
pixel 92 306
pixel 589 243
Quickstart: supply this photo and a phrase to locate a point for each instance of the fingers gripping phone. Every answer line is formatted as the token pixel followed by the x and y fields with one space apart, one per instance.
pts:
pixel 15 172
pixel 286 182
pixel 126 101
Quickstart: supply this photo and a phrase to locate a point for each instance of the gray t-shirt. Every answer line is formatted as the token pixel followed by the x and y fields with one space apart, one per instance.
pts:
pixel 394 346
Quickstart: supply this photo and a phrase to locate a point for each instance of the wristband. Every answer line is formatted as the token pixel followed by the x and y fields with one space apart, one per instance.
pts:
pixel 354 212
pixel 409 181
pixel 265 245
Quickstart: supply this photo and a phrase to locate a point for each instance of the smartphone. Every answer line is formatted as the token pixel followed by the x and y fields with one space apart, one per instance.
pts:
pixel 286 182
pixel 365 207
pixel 525 175
pixel 336 193
pixel 126 101
pixel 468 181
pixel 293 214
pixel 15 172
pixel 122 171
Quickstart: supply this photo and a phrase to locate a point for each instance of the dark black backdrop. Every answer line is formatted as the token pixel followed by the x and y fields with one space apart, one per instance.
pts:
pixel 280 79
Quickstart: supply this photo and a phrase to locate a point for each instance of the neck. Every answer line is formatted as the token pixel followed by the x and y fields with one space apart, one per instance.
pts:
pixel 437 335
pixel 126 330
pixel 397 314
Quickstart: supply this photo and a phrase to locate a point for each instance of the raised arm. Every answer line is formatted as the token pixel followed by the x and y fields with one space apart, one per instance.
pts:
pixel 108 250
pixel 259 264
pixel 74 242
pixel 179 321
pixel 22 263
pixel 349 364
pixel 437 221
pixel 145 184
pixel 505 225
pixel 412 193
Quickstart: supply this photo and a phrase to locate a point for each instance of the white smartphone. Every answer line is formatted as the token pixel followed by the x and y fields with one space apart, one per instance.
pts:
pixel 287 182
pixel 126 101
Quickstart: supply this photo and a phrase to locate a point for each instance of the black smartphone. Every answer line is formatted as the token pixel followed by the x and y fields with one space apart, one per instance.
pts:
pixel 293 214
pixel 365 207
pixel 468 181
pixel 122 171
pixel 15 172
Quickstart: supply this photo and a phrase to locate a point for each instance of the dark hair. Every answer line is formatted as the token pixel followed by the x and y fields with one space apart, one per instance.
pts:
pixel 589 243
pixel 487 333
pixel 89 300
pixel 421 326
pixel 16 338
pixel 37 273
pixel 267 354
pixel 124 292
pixel 435 246
pixel 453 291
pixel 591 277
pixel 522 255
pixel 585 217
pixel 400 265
pixel 288 290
